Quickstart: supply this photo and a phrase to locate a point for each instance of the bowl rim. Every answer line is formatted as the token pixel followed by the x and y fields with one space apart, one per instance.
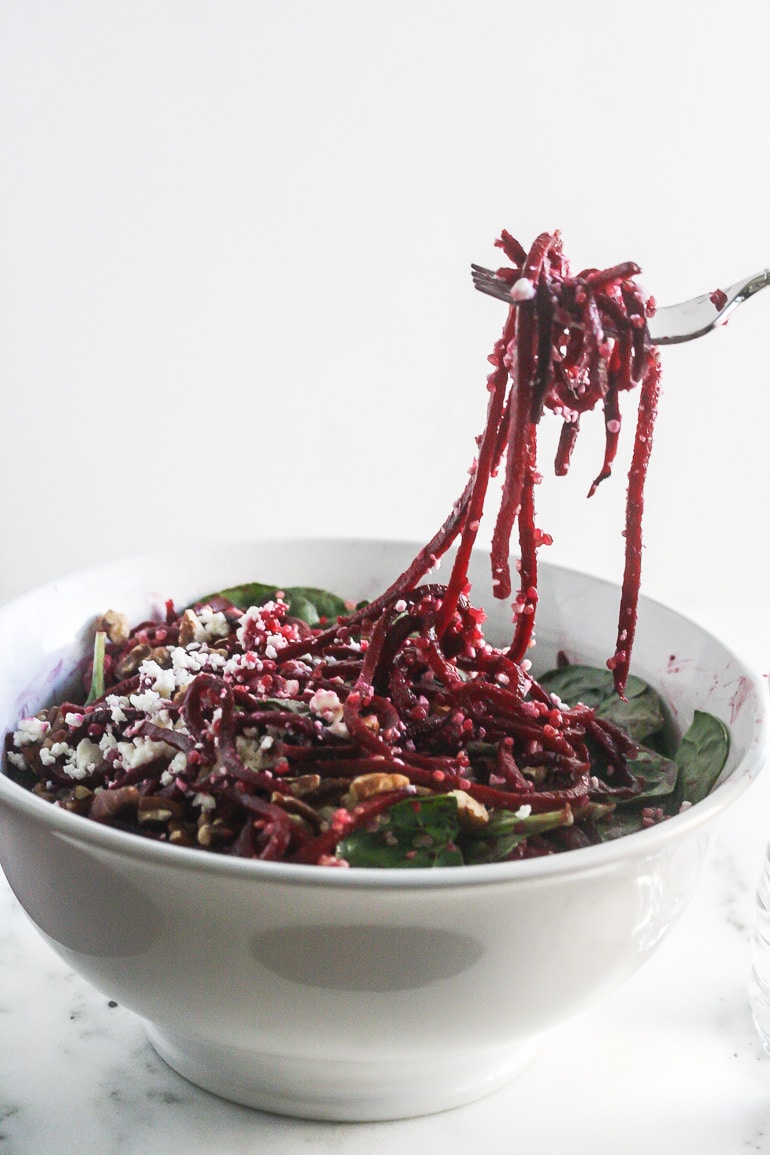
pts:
pixel 640 844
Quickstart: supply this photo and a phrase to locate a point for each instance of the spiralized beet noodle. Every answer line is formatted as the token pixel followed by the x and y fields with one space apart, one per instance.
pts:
pixel 248 732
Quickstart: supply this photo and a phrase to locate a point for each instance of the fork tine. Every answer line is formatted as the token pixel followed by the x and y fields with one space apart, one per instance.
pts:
pixel 480 273
pixel 488 282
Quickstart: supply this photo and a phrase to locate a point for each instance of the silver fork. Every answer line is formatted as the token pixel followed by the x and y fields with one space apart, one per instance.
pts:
pixel 670 324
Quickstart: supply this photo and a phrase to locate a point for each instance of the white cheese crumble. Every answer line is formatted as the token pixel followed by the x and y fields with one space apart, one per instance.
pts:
pixel 115 704
pixel 139 751
pixel 30 730
pixel 83 759
pixel 247 663
pixel 326 704
pixel 177 765
pixel 186 665
pixel 205 626
pixel 205 801
pixel 149 702
pixel 160 680
pixel 214 623
pixel 523 290
pixel 251 625
pixel 107 742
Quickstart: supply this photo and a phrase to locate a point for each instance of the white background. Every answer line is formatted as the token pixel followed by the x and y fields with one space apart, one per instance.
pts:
pixel 234 250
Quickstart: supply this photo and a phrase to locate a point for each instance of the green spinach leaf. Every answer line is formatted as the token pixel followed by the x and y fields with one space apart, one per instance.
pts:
pixel 625 820
pixel 495 841
pixel 658 775
pixel 311 605
pixel 642 715
pixel 659 780
pixel 701 757
pixel 415 832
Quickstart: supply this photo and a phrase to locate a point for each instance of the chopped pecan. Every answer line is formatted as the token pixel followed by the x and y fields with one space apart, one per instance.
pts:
pixel 213 831
pixel 157 810
pixel 131 661
pixel 305 784
pixel 114 625
pixel 190 629
pixel 180 835
pixel 367 785
pixel 296 808
pixel 133 658
pixel 471 815
pixel 78 800
pixel 330 790
pixel 109 804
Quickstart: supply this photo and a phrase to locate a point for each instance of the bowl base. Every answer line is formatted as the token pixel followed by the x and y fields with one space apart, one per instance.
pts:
pixel 339 1091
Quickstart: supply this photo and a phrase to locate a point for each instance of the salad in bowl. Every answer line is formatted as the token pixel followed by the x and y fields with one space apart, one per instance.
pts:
pixel 349 854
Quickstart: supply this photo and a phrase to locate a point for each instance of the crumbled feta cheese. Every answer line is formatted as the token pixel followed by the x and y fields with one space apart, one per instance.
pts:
pixel 214 623
pixel 523 811
pixel 30 730
pixel 204 626
pixel 177 765
pixel 139 751
pixel 148 702
pixel 115 703
pixel 185 665
pixel 83 759
pixel 326 704
pixel 251 625
pixel 16 760
pixel 205 801
pixel 240 664
pixel 522 290
pixel 107 742
pixel 160 680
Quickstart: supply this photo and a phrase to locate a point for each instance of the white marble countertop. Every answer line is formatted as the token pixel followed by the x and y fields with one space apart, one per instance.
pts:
pixel 671 1062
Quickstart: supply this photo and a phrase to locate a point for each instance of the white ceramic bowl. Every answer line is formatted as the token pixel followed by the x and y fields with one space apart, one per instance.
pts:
pixel 354 994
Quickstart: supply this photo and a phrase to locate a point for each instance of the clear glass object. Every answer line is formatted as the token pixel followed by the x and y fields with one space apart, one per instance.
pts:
pixel 759 979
